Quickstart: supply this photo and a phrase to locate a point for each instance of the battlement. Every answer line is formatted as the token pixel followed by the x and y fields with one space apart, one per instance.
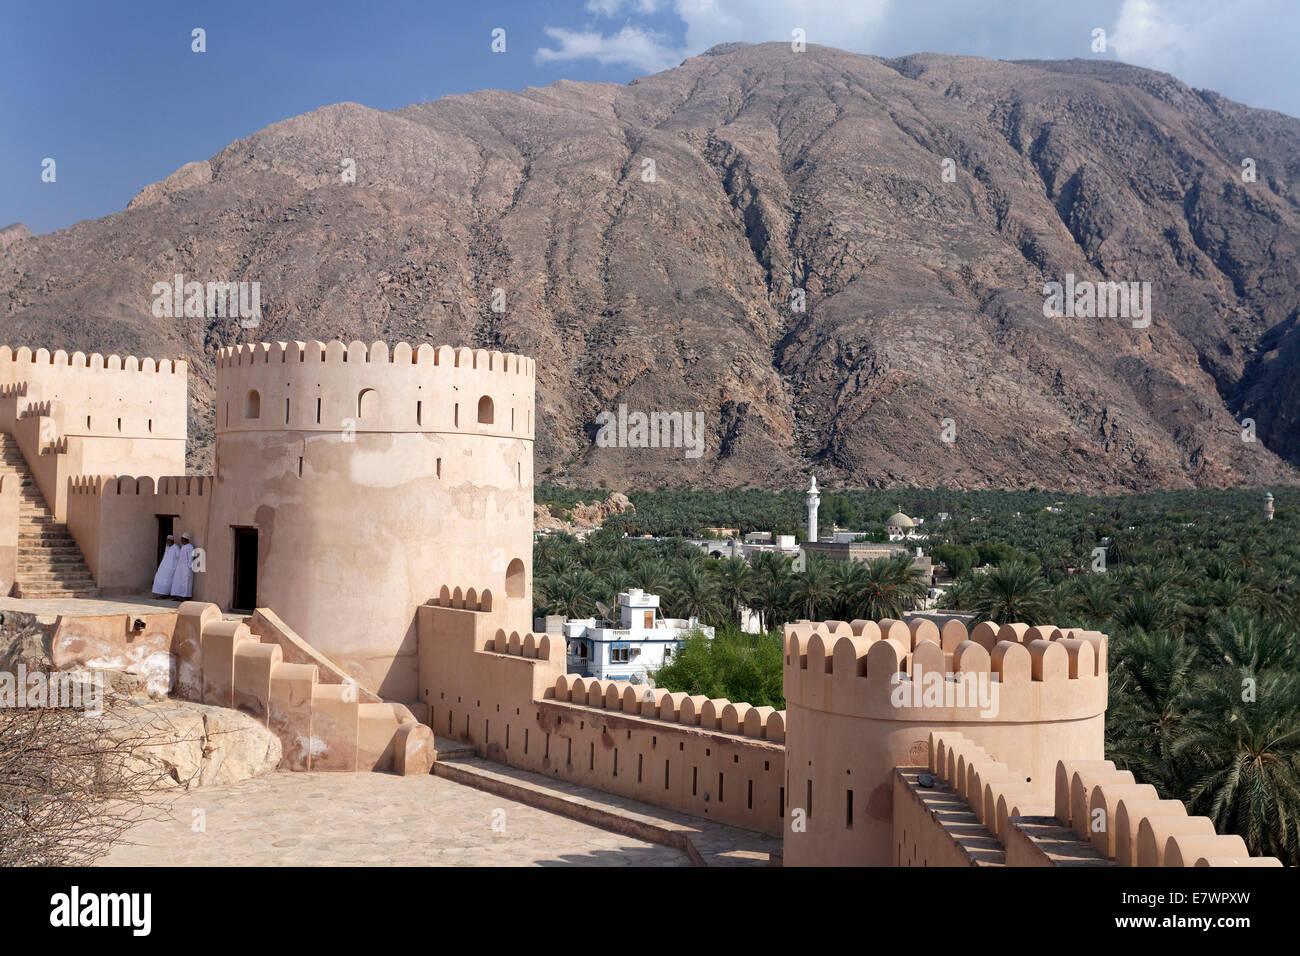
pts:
pixel 333 387
pixel 1091 813
pixel 896 671
pixel 178 485
pixel 470 600
pixel 15 362
pixel 530 645
pixel 760 723
pixel 336 352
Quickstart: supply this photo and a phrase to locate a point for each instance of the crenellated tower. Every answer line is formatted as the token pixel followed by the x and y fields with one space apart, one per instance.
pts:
pixel 356 481
pixel 862 698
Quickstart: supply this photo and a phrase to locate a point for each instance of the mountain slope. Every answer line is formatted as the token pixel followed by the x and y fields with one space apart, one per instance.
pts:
pixel 772 172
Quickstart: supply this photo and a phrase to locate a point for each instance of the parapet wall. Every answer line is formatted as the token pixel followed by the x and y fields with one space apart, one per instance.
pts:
pixel 332 387
pixel 74 416
pixel 96 397
pixel 864 669
pixel 1089 813
pixel 507 695
pixel 863 697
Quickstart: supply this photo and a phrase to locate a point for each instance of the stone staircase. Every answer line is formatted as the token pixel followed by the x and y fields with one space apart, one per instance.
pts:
pixel 321 726
pixel 50 565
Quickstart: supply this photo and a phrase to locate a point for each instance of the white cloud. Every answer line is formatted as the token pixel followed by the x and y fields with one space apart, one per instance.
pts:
pixel 851 24
pixel 632 46
pixel 1240 48
pixel 1230 46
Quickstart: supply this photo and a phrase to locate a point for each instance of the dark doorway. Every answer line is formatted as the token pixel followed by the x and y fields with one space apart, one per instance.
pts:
pixel 244 597
pixel 166 526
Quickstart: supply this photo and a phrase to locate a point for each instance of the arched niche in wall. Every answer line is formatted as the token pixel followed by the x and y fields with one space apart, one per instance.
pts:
pixel 515 579
pixel 368 404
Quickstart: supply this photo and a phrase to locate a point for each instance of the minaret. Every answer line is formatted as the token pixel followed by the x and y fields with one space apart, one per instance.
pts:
pixel 1268 506
pixel 814 499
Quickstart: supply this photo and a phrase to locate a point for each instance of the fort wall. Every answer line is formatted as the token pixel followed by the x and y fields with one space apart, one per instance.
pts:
pixel 115 523
pixel 506 693
pixel 85 415
pixel 1087 813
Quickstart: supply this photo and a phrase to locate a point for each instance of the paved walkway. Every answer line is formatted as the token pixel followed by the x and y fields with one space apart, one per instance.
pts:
pixel 372 819
pixel 47 609
pixel 707 842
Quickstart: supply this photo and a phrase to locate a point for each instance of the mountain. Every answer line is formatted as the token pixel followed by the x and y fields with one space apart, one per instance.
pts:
pixel 646 241
pixel 14 232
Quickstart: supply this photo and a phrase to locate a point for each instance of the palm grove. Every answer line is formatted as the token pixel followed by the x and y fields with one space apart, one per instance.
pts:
pixel 1198 594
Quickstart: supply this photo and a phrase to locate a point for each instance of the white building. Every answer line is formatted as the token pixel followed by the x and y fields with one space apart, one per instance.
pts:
pixel 642 641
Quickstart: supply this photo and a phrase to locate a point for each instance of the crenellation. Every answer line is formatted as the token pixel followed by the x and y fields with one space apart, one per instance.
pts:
pixel 42 357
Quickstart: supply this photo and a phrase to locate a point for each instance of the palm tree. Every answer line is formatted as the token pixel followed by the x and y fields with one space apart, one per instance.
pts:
pixel 571 594
pixel 1013 592
pixel 694 593
pixel 612 582
pixel 814 588
pixel 1094 596
pixel 735 584
pixel 889 587
pixel 1150 673
pixel 1245 761
pixel 652 576
pixel 771 589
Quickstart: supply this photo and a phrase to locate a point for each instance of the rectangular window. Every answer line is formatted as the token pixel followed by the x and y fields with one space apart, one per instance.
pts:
pixel 720 782
pixel 317 413
pixel 419 413
pixel 286 411
pixel 848 809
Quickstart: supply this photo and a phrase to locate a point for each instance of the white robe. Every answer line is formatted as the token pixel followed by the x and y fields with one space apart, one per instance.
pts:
pixel 183 578
pixel 162 581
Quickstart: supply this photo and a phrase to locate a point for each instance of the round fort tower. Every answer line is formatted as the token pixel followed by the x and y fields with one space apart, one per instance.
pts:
pixel 351 483
pixel 862 699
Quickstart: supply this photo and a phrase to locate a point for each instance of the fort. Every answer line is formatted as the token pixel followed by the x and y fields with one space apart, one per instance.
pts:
pixel 365 590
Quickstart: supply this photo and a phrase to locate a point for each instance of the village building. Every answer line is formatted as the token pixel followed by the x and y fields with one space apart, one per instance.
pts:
pixel 632 648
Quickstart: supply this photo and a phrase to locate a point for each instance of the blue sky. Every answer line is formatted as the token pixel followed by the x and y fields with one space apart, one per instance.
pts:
pixel 114 94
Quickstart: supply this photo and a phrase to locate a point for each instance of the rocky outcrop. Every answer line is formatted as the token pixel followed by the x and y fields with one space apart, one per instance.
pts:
pixel 187 177
pixel 15 232
pixel 582 516
pixel 193 745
